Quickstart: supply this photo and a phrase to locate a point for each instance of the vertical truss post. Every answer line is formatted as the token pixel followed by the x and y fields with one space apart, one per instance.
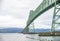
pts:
pixel 56 17
pixel 32 26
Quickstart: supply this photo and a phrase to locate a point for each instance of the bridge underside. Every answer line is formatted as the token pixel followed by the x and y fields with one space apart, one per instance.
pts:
pixel 44 6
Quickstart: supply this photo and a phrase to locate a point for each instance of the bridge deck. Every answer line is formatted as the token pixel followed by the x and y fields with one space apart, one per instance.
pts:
pixel 50 34
pixel 46 33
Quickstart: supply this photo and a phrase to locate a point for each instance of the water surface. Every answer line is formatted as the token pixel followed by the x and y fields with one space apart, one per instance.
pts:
pixel 18 37
pixel 26 37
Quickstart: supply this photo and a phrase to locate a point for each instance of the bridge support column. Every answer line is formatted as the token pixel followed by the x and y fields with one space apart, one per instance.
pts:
pixel 56 17
pixel 32 27
pixel 26 30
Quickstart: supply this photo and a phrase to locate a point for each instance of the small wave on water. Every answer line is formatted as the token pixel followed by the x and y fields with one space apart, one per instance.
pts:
pixel 32 38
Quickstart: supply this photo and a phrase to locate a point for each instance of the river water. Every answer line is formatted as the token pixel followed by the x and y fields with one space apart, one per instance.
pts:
pixel 18 37
pixel 26 37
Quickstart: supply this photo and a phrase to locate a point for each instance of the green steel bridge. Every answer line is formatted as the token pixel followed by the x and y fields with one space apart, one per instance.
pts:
pixel 43 7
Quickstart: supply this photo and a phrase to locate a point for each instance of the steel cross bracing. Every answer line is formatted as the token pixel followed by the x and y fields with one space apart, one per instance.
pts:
pixel 56 17
pixel 44 6
pixel 32 27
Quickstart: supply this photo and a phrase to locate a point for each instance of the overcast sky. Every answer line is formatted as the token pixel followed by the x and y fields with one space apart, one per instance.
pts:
pixel 14 13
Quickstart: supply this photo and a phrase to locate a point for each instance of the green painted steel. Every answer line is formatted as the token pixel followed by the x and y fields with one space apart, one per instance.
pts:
pixel 56 17
pixel 53 21
pixel 44 6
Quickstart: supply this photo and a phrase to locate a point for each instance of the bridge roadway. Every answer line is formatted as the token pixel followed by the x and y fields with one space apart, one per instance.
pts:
pixel 44 6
